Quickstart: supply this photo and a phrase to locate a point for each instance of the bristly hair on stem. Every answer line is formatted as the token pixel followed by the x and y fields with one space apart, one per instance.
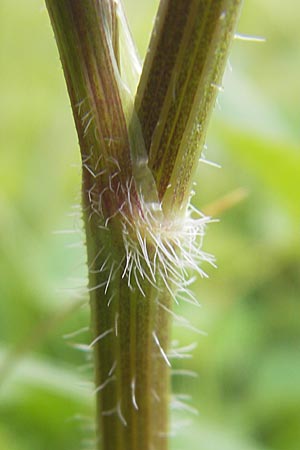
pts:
pixel 141 131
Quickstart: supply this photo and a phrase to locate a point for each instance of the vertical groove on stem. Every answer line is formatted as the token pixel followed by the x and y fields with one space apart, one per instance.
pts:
pixel 140 241
pixel 174 90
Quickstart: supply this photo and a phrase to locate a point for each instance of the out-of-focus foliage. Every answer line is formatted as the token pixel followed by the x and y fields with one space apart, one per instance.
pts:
pixel 248 389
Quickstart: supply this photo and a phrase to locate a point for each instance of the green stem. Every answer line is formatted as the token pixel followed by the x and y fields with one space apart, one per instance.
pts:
pixel 124 309
pixel 178 87
pixel 86 33
pixel 132 376
pixel 133 246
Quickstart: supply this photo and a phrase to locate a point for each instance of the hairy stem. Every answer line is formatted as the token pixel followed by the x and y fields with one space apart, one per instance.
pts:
pixel 178 87
pixel 131 338
pixel 137 166
pixel 132 399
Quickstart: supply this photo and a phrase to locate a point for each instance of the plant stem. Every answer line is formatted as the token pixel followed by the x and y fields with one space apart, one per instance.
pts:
pixel 140 241
pixel 180 80
pixel 131 374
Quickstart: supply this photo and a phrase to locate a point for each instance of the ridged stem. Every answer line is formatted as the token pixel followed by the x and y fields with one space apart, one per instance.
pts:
pixel 180 81
pixel 131 339
pixel 131 374
pixel 139 239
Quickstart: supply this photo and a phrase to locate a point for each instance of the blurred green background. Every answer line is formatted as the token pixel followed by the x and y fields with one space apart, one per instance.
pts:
pixel 247 392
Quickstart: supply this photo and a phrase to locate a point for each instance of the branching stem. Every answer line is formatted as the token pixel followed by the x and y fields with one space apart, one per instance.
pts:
pixel 138 161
